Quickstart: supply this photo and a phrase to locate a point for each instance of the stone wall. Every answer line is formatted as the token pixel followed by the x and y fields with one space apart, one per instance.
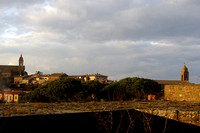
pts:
pixel 190 117
pixel 189 93
pixel 9 70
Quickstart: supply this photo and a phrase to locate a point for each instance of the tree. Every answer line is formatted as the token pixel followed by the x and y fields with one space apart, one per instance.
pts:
pixel 131 88
pixel 38 95
pixel 92 89
pixel 61 90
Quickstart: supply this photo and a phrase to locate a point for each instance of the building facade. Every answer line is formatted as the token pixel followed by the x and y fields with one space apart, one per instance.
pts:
pixel 90 77
pixel 181 90
pixel 7 71
pixel 11 96
pixel 184 74
pixel 184 81
pixel 188 92
pixel 38 78
pixel 184 78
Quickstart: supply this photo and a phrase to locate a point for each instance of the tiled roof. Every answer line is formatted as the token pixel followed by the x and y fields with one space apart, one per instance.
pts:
pixel 13 92
pixel 58 74
pixel 172 82
pixel 9 66
pixel 97 74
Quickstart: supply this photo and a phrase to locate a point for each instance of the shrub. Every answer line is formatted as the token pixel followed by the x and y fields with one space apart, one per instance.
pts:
pixel 130 88
pixel 61 90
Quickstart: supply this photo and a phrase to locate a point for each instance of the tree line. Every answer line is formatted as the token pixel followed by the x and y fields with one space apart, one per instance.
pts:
pixel 69 89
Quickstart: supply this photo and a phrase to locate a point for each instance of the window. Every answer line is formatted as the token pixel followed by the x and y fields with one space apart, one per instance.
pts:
pixel 15 97
pixel 10 97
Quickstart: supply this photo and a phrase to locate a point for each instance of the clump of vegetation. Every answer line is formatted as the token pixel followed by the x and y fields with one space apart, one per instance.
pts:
pixel 131 88
pixel 69 89
pixel 92 90
pixel 61 90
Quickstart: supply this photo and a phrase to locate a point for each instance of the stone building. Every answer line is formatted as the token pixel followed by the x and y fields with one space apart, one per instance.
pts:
pixel 37 78
pixel 184 80
pixel 184 74
pixel 11 96
pixel 56 76
pixel 180 90
pixel 190 92
pixel 89 77
pixel 7 71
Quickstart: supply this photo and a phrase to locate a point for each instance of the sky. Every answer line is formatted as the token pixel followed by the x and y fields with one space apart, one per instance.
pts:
pixel 118 38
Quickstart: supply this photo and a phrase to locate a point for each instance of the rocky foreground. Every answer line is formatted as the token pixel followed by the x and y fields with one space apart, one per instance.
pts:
pixel 181 111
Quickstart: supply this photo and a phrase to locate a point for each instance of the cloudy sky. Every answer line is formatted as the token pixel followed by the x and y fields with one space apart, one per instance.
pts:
pixel 118 38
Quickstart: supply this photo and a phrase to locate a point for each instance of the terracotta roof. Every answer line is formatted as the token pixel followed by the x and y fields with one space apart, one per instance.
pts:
pixel 9 66
pixel 172 82
pixel 13 92
pixel 58 74
pixel 97 74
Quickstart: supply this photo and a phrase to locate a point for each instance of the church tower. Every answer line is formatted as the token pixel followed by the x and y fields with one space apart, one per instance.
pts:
pixel 21 66
pixel 184 74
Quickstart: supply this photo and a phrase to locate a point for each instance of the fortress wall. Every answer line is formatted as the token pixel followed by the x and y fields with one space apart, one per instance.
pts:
pixel 182 92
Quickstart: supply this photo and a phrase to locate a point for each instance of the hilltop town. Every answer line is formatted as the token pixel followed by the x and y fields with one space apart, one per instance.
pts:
pixel 15 83
pixel 18 76
pixel 14 79
pixel 59 93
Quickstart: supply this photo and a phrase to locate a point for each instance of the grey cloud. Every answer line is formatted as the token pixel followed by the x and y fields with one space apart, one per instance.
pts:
pixel 156 23
pixel 119 21
pixel 183 2
pixel 118 38
pixel 19 3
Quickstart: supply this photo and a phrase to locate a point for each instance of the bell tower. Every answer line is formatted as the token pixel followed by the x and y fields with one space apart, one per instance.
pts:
pixel 184 74
pixel 21 66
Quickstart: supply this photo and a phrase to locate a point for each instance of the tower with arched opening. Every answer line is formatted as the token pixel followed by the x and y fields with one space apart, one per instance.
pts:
pixel 184 74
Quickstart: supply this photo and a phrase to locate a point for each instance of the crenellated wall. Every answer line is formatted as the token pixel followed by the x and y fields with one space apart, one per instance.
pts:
pixel 189 93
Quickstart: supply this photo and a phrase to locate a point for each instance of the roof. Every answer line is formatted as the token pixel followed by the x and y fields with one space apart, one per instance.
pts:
pixel 58 74
pixel 184 69
pixel 97 74
pixel 12 92
pixel 172 82
pixel 8 66
pixel 21 58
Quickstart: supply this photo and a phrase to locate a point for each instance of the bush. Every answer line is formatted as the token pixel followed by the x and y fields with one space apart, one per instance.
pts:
pixel 92 90
pixel 61 90
pixel 69 89
pixel 130 88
